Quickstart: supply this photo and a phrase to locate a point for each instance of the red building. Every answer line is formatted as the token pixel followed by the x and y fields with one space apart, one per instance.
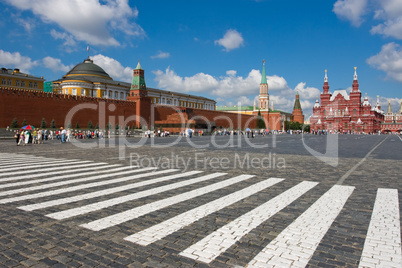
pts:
pixel 392 122
pixel 345 113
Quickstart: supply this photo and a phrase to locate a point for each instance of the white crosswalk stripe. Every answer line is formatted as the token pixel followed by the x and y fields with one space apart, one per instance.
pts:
pixel 219 241
pixel 97 206
pixel 294 246
pixel 68 169
pixel 38 167
pixel 148 208
pixel 84 186
pixel 382 247
pixel 165 228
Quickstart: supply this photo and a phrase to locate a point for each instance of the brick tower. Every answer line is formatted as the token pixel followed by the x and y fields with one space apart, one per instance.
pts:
pixel 297 111
pixel 139 94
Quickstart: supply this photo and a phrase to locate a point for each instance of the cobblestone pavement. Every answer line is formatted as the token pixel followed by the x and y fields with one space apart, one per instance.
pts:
pixel 206 202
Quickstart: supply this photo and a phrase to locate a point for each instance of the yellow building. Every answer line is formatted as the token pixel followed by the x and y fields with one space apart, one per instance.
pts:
pixel 89 79
pixel 16 79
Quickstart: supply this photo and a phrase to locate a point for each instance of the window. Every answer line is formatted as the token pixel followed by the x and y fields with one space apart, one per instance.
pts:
pixel 121 95
pixel 3 81
pixel 22 83
pixel 354 111
pixel 30 84
pixel 74 91
pixel 83 92
pixel 35 85
pixel 110 94
pixel 17 83
pixel 116 94
pixel 9 82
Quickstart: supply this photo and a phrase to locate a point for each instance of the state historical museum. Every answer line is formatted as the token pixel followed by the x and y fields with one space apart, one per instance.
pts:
pixel 341 112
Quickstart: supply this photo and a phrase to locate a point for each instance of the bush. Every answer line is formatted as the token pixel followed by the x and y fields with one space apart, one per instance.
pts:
pixel 14 123
pixel 52 124
pixel 43 124
pixel 90 125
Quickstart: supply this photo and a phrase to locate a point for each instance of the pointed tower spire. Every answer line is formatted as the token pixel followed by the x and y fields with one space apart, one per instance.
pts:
pixel 389 111
pixel 355 82
pixel 400 108
pixel 263 75
pixel 326 86
pixel 263 99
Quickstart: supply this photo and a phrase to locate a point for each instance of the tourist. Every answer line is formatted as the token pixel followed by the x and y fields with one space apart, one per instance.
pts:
pixel 17 137
pixel 27 136
pixel 22 137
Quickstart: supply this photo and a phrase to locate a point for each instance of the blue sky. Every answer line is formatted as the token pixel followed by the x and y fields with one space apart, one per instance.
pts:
pixel 215 48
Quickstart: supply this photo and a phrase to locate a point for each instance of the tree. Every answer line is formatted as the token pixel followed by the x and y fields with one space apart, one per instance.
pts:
pixel 24 122
pixel 117 127
pixel 109 126
pixel 53 124
pixel 69 125
pixel 77 126
pixel 90 125
pixel 260 121
pixel 43 124
pixel 97 126
pixel 14 123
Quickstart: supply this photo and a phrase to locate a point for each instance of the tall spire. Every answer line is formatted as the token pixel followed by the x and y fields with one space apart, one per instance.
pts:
pixel 389 111
pixel 326 86
pixel 355 76
pixel 400 108
pixel 263 75
pixel 355 82
pixel 297 102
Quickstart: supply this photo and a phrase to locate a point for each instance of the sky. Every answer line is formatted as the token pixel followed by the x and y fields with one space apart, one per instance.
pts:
pixel 215 49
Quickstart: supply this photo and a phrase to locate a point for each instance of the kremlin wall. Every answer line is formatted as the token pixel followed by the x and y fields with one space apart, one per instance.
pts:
pixel 88 94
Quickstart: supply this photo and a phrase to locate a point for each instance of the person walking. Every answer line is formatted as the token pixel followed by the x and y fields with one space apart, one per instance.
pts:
pixel 27 134
pixel 17 137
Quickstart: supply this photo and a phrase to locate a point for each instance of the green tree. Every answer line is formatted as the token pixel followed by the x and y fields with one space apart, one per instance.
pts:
pixel 69 125
pixel 117 127
pixel 53 124
pixel 260 121
pixel 24 122
pixel 97 126
pixel 77 126
pixel 14 123
pixel 43 124
pixel 109 126
pixel 90 125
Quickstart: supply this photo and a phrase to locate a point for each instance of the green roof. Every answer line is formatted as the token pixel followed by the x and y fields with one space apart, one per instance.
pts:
pixel 263 75
pixel 88 68
pixel 235 108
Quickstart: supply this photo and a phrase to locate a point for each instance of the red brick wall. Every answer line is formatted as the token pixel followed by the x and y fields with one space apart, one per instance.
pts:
pixel 33 106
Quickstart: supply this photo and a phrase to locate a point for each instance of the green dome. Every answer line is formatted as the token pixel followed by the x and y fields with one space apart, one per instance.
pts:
pixel 88 68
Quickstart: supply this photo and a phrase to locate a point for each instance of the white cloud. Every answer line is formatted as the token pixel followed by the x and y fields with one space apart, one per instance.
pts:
pixel 389 60
pixel 391 27
pixel 114 68
pixel 351 10
pixel 231 40
pixel 69 40
pixel 16 60
pixel 161 55
pixel 55 64
pixel 307 93
pixel 91 21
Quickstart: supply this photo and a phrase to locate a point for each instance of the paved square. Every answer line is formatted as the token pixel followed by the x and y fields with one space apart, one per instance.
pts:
pixel 221 201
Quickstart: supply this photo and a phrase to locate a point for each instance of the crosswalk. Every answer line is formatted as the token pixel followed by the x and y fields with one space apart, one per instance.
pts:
pixel 75 187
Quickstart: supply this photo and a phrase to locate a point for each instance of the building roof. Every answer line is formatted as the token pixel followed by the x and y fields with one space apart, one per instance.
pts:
pixel 161 91
pixel 17 73
pixel 235 108
pixel 342 92
pixel 88 68
pixel 263 75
